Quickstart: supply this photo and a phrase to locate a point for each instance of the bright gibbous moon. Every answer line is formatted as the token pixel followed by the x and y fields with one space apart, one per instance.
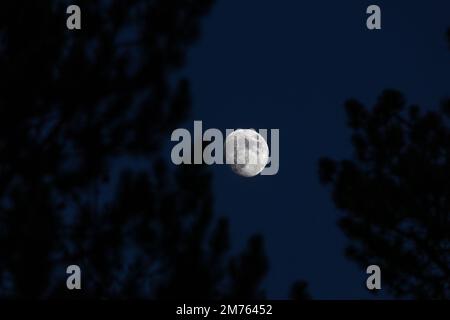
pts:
pixel 247 152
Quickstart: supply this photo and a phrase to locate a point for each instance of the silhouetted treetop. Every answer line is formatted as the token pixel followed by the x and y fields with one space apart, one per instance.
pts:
pixel 84 117
pixel 395 194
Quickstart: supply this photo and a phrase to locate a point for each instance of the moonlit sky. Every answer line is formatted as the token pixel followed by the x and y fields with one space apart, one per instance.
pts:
pixel 291 65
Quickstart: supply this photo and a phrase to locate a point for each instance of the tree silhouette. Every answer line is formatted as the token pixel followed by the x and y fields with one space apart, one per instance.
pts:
pixel 395 194
pixel 84 119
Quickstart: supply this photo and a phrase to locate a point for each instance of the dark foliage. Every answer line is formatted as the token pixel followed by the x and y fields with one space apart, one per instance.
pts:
pixel 84 118
pixel 395 194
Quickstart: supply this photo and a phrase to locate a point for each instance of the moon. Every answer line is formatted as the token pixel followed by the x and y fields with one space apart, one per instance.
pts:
pixel 247 152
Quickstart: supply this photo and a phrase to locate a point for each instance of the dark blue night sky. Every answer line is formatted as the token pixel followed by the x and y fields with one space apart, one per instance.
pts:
pixel 291 65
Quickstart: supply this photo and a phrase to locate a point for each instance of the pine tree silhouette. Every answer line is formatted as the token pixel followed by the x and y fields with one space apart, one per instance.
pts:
pixel 84 119
pixel 395 194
